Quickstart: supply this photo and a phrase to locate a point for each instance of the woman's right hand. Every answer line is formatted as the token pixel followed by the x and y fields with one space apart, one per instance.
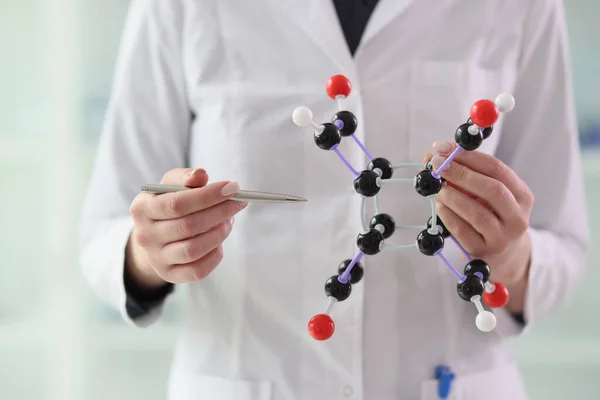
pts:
pixel 178 236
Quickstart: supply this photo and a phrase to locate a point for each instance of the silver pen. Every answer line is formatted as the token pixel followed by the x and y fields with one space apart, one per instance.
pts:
pixel 242 195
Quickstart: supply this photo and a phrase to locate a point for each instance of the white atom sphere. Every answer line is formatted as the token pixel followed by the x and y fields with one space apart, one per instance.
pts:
pixel 505 102
pixel 485 321
pixel 302 116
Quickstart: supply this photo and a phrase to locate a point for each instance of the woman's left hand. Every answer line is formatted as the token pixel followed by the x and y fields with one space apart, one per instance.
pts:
pixel 486 207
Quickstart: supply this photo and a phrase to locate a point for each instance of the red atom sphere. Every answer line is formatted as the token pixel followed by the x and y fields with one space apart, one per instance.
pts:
pixel 484 113
pixel 321 327
pixel 338 85
pixel 498 298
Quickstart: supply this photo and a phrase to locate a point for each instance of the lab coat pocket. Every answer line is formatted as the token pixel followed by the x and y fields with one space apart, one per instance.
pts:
pixel 189 385
pixel 500 383
pixel 441 96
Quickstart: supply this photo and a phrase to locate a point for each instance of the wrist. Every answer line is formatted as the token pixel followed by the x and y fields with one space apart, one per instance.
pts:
pixel 138 269
pixel 517 286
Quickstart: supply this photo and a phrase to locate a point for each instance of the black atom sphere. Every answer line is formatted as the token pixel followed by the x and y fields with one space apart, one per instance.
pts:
pixel 349 120
pixel 356 273
pixel 471 286
pixel 487 132
pixel 478 266
pixel 336 289
pixel 429 166
pixel 385 220
pixel 370 242
pixel 329 138
pixel 430 244
pixel 386 167
pixel 366 183
pixel 426 184
pixel 467 141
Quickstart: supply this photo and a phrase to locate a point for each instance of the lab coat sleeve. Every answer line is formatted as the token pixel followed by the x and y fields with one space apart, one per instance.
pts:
pixel 145 135
pixel 540 142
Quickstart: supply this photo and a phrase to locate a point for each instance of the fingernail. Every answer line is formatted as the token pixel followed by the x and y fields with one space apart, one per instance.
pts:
pixel 437 162
pixel 442 147
pixel 230 188
pixel 232 220
pixel 195 171
pixel 242 205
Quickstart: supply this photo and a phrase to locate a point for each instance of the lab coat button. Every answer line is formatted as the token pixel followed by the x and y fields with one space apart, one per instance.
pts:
pixel 348 391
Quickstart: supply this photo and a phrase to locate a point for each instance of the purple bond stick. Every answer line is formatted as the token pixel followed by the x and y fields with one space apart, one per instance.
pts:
pixel 454 271
pixel 437 173
pixel 467 256
pixel 341 156
pixel 340 125
pixel 362 147
pixel 345 276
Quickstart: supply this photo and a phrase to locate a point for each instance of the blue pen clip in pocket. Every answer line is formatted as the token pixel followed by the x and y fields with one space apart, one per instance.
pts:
pixel 444 376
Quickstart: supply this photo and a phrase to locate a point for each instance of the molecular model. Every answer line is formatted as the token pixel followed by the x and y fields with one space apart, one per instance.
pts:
pixel 474 284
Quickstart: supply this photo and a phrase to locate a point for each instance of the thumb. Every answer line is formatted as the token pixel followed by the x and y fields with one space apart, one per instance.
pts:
pixel 185 177
pixel 197 178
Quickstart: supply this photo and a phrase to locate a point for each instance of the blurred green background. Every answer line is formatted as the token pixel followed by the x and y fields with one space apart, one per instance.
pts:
pixel 56 340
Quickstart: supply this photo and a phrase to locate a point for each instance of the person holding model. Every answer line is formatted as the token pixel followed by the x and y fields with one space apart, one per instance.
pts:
pixel 203 97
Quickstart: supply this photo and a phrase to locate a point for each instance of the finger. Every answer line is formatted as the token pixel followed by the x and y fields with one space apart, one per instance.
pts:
pixel 185 176
pixel 179 204
pixel 426 158
pixel 193 249
pixel 464 233
pixel 444 148
pixel 471 195
pixel 489 165
pixel 197 178
pixel 138 207
pixel 178 176
pixel 480 218
pixel 192 225
pixel 492 191
pixel 195 271
pixel 462 190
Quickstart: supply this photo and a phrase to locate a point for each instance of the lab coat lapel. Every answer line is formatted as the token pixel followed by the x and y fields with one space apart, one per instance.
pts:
pixel 385 13
pixel 319 20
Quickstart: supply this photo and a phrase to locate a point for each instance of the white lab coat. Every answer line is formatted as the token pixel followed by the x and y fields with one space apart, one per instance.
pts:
pixel 240 68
